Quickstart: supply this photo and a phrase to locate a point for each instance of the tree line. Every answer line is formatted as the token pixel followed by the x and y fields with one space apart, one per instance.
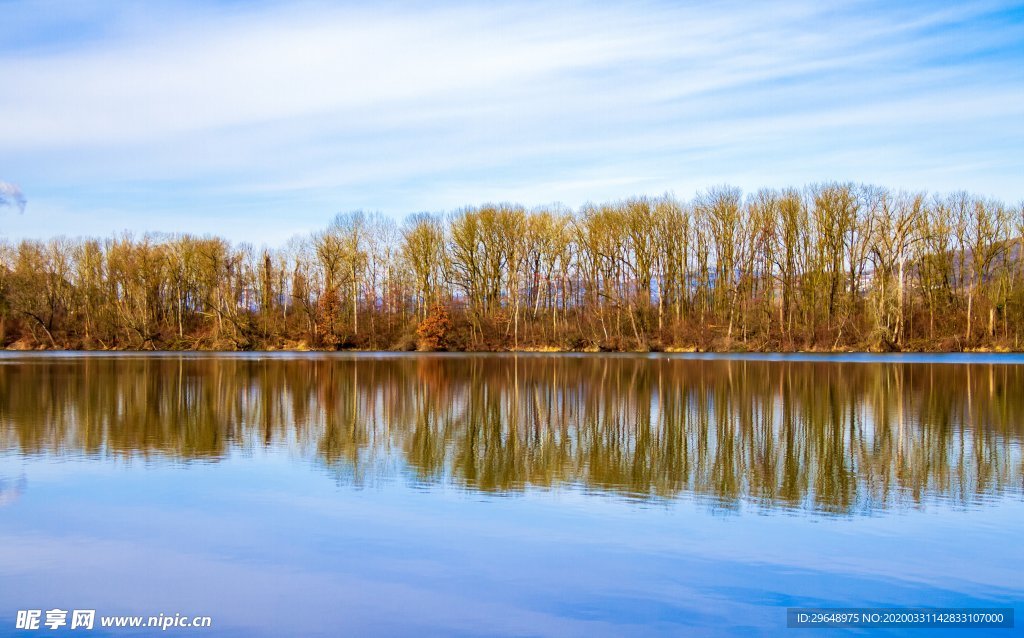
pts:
pixel 826 267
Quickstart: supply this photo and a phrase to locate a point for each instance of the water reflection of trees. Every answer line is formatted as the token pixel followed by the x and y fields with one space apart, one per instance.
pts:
pixel 833 437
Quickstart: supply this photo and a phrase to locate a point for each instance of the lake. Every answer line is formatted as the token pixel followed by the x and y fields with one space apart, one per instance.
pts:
pixel 483 494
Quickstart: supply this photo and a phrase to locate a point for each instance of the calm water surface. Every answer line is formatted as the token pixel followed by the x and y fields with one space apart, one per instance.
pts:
pixel 563 495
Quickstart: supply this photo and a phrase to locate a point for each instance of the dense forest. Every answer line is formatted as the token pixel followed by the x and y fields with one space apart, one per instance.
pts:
pixel 826 267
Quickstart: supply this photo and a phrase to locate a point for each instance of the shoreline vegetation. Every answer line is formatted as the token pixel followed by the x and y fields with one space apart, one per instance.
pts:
pixel 830 267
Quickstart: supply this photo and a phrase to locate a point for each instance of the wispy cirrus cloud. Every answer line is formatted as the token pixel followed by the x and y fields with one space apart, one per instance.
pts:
pixel 281 114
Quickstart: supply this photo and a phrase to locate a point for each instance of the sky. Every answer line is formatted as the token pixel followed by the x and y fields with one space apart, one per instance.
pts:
pixel 258 121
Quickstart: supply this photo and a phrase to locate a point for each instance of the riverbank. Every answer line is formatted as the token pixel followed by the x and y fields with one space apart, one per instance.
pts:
pixel 551 349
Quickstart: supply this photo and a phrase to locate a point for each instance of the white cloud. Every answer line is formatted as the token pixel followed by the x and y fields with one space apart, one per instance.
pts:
pixel 300 106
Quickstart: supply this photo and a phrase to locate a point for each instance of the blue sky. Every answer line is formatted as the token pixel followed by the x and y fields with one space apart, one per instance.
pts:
pixel 258 121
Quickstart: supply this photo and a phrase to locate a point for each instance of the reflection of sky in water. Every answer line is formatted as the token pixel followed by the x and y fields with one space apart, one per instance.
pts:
pixel 267 543
pixel 11 489
pixel 356 518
